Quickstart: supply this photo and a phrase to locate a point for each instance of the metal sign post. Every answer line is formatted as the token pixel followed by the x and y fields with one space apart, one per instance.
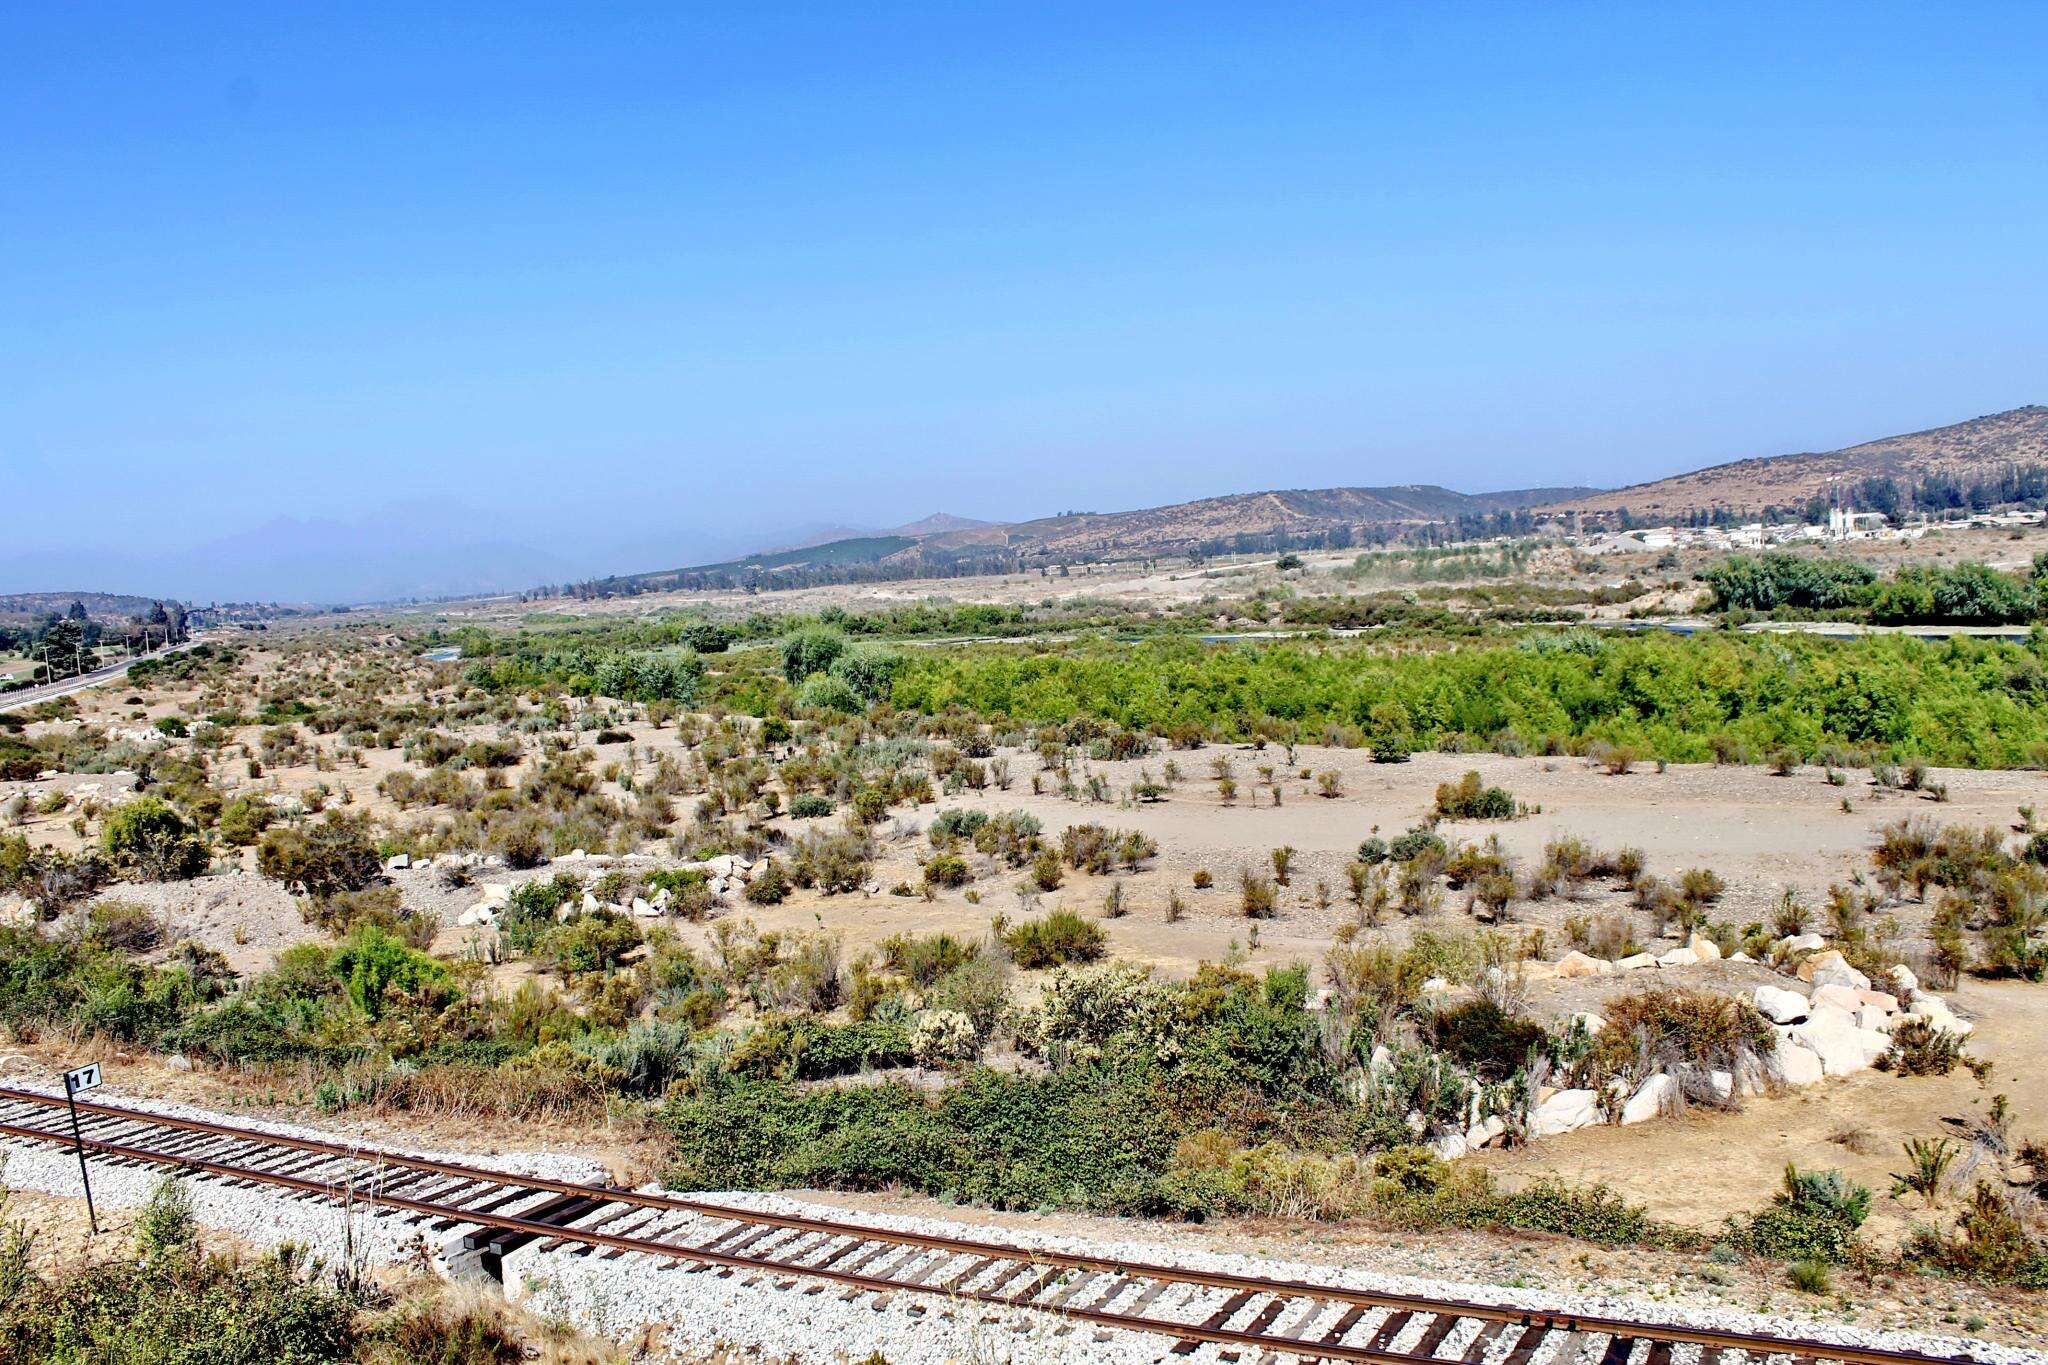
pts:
pixel 77 1081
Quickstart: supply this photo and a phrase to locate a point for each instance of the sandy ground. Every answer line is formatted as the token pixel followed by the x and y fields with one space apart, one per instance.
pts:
pixel 1700 1168
pixel 1763 834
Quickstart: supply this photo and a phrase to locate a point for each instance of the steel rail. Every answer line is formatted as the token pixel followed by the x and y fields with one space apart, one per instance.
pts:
pixel 1757 1344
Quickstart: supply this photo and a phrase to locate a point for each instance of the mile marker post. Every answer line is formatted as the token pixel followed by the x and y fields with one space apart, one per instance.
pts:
pixel 76 1081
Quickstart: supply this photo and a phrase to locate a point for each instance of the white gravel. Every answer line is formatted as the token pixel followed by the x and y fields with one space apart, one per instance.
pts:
pixel 746 1309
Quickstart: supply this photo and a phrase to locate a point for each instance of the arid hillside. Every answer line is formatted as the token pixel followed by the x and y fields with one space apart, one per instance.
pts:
pixel 1976 449
pixel 948 547
pixel 1204 523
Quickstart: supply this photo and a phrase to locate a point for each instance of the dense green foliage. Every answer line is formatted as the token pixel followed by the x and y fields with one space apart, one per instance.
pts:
pixel 1143 1066
pixel 1971 702
pixel 1959 594
pixel 1094 1136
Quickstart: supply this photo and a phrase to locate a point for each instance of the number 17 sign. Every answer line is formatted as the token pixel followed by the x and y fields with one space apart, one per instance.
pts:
pixel 77 1081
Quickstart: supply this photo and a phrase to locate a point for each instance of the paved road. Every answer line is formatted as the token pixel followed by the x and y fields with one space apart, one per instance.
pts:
pixel 14 701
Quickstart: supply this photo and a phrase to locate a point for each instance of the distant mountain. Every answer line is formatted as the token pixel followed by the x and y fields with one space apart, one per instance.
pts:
pixel 938 523
pixel 1983 448
pixel 810 537
pixel 948 546
pixel 406 553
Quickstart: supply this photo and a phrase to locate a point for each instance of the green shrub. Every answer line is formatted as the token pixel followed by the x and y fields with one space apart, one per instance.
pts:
pixel 770 885
pixel 1058 938
pixel 146 835
pixel 824 692
pixel 1416 843
pixel 1990 1241
pixel 811 650
pixel 334 855
pixel 810 805
pixel 589 941
pixel 867 669
pixel 947 869
pixel 784 1047
pixel 243 820
pixel 1815 1217
pixel 923 960
pixel 374 966
pixel 531 907
pixel 1920 1049
pixel 1486 1038
pixel 1811 1276
pixel 949 827
pixel 191 1306
pixel 1471 799
pixel 1415 1187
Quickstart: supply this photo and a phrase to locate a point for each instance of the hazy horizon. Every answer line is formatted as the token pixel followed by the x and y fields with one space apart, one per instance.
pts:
pixel 300 304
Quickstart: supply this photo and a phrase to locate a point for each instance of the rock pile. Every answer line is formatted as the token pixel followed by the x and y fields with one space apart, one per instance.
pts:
pixel 1841 1024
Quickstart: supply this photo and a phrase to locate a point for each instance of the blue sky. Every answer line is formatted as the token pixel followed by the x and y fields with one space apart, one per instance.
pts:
pixel 610 279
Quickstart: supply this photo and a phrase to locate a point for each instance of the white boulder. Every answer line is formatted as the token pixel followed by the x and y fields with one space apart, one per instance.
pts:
pixel 1832 1036
pixel 1565 1112
pixel 1832 969
pixel 1779 1005
pixel 1678 957
pixel 1577 964
pixel 1634 962
pixel 1485 1131
pixel 1704 948
pixel 1935 1011
pixel 1796 1064
pixel 1837 997
pixel 1654 1097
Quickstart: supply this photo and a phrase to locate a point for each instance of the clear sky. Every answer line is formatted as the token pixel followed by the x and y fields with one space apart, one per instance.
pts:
pixel 607 278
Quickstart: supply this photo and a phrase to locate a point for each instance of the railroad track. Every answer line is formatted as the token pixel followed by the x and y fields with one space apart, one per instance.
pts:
pixel 483 1215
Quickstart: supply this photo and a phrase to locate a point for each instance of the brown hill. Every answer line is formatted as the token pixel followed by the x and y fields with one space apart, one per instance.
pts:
pixel 1210 523
pixel 1968 450
pixel 1238 522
